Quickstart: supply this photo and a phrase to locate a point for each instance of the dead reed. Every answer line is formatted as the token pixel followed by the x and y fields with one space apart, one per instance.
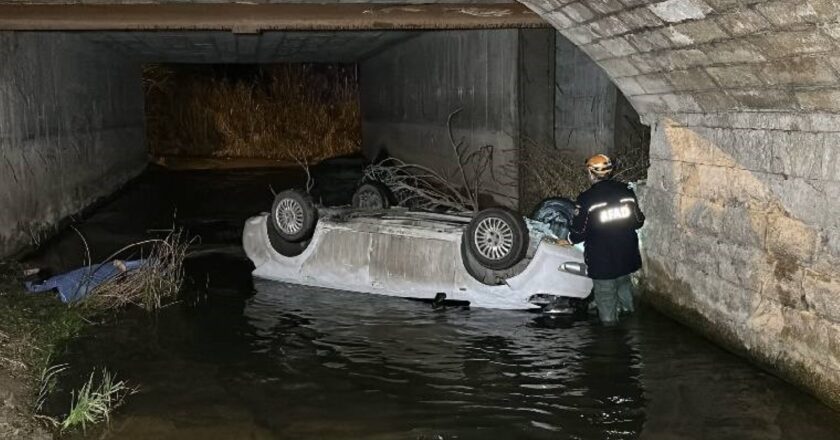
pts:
pixel 549 172
pixel 288 112
pixel 150 286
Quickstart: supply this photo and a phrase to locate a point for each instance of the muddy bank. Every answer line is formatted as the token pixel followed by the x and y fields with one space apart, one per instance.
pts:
pixel 16 420
pixel 33 330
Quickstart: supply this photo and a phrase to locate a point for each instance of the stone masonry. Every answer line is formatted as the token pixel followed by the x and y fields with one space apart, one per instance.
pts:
pixel 743 237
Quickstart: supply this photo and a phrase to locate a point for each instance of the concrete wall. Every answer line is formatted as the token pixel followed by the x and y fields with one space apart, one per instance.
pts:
pixel 536 87
pixel 585 103
pixel 742 235
pixel 409 90
pixel 591 114
pixel 71 130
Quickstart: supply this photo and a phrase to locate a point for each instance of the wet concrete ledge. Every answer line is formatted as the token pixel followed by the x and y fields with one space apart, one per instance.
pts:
pixel 219 163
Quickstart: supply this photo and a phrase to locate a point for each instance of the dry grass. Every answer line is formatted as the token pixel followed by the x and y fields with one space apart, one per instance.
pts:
pixel 151 285
pixel 287 112
pixel 548 172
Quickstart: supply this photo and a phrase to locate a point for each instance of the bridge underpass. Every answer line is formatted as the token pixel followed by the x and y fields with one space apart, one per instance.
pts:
pixel 742 100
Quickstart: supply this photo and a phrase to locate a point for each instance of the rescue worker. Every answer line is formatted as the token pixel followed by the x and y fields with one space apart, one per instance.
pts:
pixel 606 220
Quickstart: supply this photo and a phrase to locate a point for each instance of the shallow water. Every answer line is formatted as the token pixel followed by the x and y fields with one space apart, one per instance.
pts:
pixel 249 359
pixel 294 362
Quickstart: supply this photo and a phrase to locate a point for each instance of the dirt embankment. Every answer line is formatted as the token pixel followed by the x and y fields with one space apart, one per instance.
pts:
pixel 33 330
pixel 16 419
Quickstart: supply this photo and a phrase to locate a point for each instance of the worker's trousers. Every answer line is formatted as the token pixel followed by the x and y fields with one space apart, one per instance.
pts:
pixel 613 297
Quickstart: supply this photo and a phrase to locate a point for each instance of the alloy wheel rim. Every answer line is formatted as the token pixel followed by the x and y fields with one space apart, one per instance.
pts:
pixel 289 216
pixel 493 238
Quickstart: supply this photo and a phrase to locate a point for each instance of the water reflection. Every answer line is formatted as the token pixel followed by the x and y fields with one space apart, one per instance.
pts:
pixel 297 362
pixel 396 368
pixel 240 359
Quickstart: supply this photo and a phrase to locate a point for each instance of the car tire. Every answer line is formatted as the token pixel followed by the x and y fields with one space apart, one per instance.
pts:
pixel 497 238
pixel 293 215
pixel 281 246
pixel 372 195
pixel 480 273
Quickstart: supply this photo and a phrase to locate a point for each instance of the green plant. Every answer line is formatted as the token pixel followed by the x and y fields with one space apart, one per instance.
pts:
pixel 46 384
pixel 34 328
pixel 93 404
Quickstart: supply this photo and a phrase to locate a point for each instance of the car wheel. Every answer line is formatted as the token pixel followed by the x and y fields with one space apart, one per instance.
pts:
pixel 293 215
pixel 372 195
pixel 497 238
pixel 281 246
pixel 477 271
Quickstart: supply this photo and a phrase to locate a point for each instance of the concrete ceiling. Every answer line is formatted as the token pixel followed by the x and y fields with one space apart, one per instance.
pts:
pixel 259 33
pixel 267 47
pixel 248 17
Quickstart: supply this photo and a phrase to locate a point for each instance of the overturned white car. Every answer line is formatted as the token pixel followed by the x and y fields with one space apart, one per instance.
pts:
pixel 489 259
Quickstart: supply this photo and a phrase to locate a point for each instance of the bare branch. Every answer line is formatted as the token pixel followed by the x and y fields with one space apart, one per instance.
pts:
pixel 301 158
pixel 422 187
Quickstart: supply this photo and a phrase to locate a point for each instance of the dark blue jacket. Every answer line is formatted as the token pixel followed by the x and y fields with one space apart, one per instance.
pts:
pixel 607 218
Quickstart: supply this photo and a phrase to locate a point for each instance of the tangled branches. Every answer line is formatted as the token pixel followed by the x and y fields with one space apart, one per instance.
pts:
pixel 421 187
pixel 549 172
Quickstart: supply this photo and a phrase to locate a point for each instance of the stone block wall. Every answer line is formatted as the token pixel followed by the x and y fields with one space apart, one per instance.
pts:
pixel 687 56
pixel 71 130
pixel 743 239
pixel 742 96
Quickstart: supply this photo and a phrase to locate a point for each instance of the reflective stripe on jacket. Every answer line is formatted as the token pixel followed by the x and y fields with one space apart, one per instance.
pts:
pixel 607 218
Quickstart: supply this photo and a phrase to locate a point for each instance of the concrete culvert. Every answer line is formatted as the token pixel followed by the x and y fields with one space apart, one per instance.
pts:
pixel 723 114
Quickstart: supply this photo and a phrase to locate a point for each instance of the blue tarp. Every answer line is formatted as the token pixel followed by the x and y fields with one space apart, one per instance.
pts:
pixel 76 284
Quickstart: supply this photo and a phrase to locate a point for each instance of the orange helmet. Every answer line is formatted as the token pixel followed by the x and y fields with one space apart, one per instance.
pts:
pixel 599 165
